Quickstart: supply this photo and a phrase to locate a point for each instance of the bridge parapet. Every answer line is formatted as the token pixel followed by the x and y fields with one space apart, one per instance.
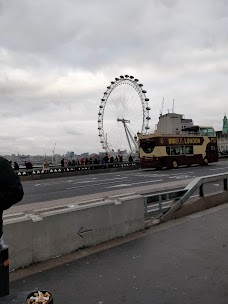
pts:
pixel 56 171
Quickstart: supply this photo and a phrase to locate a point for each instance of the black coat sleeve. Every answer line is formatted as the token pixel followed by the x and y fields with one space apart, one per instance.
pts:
pixel 11 190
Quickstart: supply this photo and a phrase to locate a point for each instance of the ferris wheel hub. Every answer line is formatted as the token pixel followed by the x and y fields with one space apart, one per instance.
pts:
pixel 123 120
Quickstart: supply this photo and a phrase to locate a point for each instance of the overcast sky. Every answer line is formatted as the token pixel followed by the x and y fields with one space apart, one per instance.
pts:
pixel 58 56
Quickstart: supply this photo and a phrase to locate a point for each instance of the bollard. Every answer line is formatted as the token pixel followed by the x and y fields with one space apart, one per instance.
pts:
pixel 4 272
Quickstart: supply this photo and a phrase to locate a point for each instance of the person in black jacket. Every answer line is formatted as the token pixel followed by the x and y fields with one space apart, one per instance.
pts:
pixel 11 191
pixel 16 166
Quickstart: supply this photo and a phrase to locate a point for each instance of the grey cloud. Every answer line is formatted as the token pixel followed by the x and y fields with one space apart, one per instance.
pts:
pixel 56 63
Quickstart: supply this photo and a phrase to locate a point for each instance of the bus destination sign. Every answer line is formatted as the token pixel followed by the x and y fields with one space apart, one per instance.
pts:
pixel 166 141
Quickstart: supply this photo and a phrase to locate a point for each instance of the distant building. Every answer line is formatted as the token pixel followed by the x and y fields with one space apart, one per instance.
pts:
pixel 86 154
pixel 225 125
pixel 222 136
pixel 222 140
pixel 70 154
pixel 172 123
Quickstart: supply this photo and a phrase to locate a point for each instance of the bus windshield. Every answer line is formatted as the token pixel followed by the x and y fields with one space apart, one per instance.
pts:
pixel 207 131
pixel 148 146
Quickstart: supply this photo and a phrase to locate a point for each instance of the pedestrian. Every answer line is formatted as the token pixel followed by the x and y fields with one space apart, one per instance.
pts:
pixel 30 167
pixel 46 167
pixel 130 159
pixel 11 191
pixel 16 166
pixel 73 164
pixel 62 164
pixel 65 163
pixel 26 167
pixel 111 161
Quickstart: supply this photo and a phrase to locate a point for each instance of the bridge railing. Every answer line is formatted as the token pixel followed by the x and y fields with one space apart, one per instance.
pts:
pixel 158 204
pixel 58 169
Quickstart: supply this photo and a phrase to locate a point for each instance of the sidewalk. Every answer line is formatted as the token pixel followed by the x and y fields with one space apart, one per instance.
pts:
pixel 182 261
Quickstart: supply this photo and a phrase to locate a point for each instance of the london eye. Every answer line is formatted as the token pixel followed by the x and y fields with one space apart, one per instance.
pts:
pixel 123 112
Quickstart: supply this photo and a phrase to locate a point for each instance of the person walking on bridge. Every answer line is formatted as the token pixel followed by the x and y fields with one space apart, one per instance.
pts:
pixel 11 191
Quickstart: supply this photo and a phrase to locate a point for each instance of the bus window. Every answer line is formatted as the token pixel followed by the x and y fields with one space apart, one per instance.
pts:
pixel 148 146
pixel 207 131
pixel 213 148
pixel 168 150
pixel 211 132
pixel 182 150
pixel 175 150
pixel 188 149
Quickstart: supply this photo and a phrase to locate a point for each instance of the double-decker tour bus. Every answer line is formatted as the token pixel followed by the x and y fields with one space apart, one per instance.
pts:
pixel 195 145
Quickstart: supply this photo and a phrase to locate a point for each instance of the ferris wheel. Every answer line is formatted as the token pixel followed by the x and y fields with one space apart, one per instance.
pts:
pixel 123 112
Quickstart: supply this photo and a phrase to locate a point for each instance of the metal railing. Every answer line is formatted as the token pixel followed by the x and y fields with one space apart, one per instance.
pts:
pixel 158 204
pixel 58 169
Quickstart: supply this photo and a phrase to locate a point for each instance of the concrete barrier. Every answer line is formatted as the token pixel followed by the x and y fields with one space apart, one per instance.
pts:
pixel 50 232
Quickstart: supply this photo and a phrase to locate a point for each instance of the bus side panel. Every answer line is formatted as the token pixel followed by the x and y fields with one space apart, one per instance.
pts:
pixel 167 161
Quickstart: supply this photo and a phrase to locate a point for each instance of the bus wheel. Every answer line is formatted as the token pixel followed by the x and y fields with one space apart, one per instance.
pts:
pixel 205 161
pixel 175 164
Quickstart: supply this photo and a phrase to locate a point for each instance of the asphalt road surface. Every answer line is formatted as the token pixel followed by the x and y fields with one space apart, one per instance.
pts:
pixel 52 189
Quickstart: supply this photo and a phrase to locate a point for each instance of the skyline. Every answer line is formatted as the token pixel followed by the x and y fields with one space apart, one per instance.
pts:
pixel 58 59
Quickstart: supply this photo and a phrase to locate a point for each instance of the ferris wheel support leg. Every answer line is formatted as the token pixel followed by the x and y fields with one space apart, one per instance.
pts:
pixel 128 139
pixel 132 139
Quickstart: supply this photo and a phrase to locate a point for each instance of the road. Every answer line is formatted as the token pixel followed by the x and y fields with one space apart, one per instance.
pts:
pixel 60 188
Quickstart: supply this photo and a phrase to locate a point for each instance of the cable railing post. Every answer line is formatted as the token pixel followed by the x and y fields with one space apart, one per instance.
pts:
pixel 201 194
pixel 160 203
pixel 225 184
pixel 145 206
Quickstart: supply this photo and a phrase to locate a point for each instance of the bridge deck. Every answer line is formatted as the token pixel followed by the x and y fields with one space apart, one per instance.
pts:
pixel 182 261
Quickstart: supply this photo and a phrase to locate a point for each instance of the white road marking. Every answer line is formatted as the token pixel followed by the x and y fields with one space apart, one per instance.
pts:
pixel 151 175
pixel 217 185
pixel 102 180
pixel 180 176
pixel 117 186
pixel 125 185
pixel 37 185
pixel 90 185
pixel 219 168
